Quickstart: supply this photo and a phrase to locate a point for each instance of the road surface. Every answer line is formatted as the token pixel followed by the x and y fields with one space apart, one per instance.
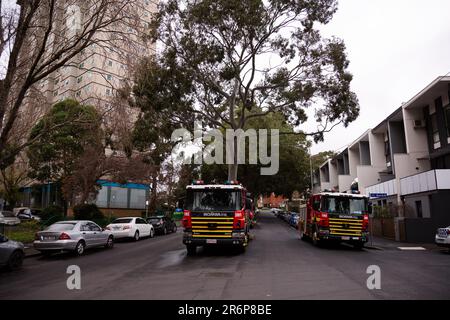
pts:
pixel 277 265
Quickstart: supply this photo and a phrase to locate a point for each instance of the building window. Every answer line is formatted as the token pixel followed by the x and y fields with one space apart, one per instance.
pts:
pixel 447 119
pixel 435 132
pixel 80 79
pixel 108 92
pixel 110 63
pixel 109 77
pixel 419 209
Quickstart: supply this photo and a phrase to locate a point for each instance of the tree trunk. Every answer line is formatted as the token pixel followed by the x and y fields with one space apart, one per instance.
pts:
pixel 153 194
pixel 232 171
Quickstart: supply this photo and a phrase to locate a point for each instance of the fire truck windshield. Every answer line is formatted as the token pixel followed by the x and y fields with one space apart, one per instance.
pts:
pixel 344 205
pixel 213 200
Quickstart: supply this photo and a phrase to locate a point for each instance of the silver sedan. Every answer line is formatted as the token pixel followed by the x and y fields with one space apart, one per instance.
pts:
pixel 73 236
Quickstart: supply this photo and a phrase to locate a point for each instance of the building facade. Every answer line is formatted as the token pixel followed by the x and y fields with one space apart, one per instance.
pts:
pixel 403 164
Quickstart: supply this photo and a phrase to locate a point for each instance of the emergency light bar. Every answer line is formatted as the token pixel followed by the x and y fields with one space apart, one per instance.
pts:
pixel 198 182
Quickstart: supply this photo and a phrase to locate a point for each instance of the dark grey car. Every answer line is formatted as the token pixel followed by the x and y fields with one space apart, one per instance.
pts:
pixel 11 253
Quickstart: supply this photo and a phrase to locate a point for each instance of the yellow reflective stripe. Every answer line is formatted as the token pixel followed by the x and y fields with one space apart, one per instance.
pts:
pixel 210 218
pixel 345 234
pixel 346 220
pixel 215 231
pixel 206 222
pixel 206 227
pixel 340 227
pixel 211 236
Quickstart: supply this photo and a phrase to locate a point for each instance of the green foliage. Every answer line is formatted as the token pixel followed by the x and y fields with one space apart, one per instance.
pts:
pixel 294 163
pixel 54 153
pixel 51 215
pixel 23 232
pixel 320 158
pixel 213 62
pixel 89 212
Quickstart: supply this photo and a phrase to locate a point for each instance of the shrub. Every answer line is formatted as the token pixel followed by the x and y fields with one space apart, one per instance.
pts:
pixel 51 215
pixel 89 212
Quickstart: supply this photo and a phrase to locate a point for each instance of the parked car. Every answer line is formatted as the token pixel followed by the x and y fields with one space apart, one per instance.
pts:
pixel 73 236
pixel 293 220
pixel 131 227
pixel 27 214
pixel 285 216
pixel 8 217
pixel 11 253
pixel 443 237
pixel 162 224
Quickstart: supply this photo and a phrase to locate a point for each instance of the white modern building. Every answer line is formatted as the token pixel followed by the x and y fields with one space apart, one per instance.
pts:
pixel 402 163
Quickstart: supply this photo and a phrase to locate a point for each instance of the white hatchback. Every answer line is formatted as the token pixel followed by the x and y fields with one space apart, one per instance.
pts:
pixel 131 227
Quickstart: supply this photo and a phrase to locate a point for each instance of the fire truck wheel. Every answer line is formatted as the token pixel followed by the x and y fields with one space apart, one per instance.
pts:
pixel 191 250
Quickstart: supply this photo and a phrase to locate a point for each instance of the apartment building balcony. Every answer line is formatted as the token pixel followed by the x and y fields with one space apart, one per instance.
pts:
pixel 426 181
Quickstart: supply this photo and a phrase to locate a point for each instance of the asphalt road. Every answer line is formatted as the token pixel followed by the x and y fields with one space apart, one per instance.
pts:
pixel 277 265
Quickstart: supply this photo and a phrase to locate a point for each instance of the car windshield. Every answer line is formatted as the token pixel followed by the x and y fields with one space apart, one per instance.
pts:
pixel 67 226
pixel 153 220
pixel 8 214
pixel 119 221
pixel 344 205
pixel 211 200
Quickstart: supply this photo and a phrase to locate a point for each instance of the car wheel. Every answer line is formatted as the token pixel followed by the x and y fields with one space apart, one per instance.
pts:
pixel 165 230
pixel 152 233
pixel 79 249
pixel 110 243
pixel 15 260
pixel 136 236
pixel 175 228
pixel 191 250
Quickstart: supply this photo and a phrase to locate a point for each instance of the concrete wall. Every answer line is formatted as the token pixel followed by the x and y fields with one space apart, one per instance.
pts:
pixel 334 181
pixel 364 153
pixel 354 161
pixel 411 210
pixel 345 182
pixel 376 144
pixel 416 138
pixel 388 187
pixel 407 165
pixel 367 176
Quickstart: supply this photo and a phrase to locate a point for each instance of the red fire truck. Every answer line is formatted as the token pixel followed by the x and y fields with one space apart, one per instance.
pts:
pixel 216 215
pixel 339 217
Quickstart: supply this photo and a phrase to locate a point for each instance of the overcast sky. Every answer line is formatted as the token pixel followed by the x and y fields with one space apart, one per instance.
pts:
pixel 395 48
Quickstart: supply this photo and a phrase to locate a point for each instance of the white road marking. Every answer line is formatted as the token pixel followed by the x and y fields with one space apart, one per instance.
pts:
pixel 412 248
